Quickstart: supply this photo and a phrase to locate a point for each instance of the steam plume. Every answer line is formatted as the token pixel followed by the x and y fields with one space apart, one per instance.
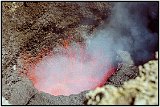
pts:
pixel 84 68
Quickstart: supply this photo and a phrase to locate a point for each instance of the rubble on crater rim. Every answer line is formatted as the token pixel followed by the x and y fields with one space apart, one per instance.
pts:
pixel 142 90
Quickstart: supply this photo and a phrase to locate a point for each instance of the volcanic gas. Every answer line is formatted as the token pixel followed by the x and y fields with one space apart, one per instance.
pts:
pixel 70 71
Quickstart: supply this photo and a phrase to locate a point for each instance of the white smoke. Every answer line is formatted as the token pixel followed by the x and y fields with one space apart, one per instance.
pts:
pixel 127 30
pixel 72 73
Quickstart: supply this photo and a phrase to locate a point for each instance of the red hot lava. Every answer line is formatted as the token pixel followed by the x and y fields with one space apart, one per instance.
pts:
pixel 71 71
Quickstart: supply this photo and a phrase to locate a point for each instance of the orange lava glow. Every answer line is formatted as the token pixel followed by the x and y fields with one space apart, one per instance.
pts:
pixel 29 63
pixel 64 83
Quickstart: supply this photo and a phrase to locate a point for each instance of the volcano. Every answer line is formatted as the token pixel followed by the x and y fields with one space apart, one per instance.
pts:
pixel 70 71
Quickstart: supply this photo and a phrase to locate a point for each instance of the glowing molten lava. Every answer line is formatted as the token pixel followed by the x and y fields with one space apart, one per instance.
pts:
pixel 71 71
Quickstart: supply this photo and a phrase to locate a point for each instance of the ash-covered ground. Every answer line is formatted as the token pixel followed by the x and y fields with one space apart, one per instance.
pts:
pixel 32 26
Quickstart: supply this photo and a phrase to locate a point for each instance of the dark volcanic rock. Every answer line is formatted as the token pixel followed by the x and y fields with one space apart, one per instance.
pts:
pixel 125 70
pixel 31 26
pixel 47 99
